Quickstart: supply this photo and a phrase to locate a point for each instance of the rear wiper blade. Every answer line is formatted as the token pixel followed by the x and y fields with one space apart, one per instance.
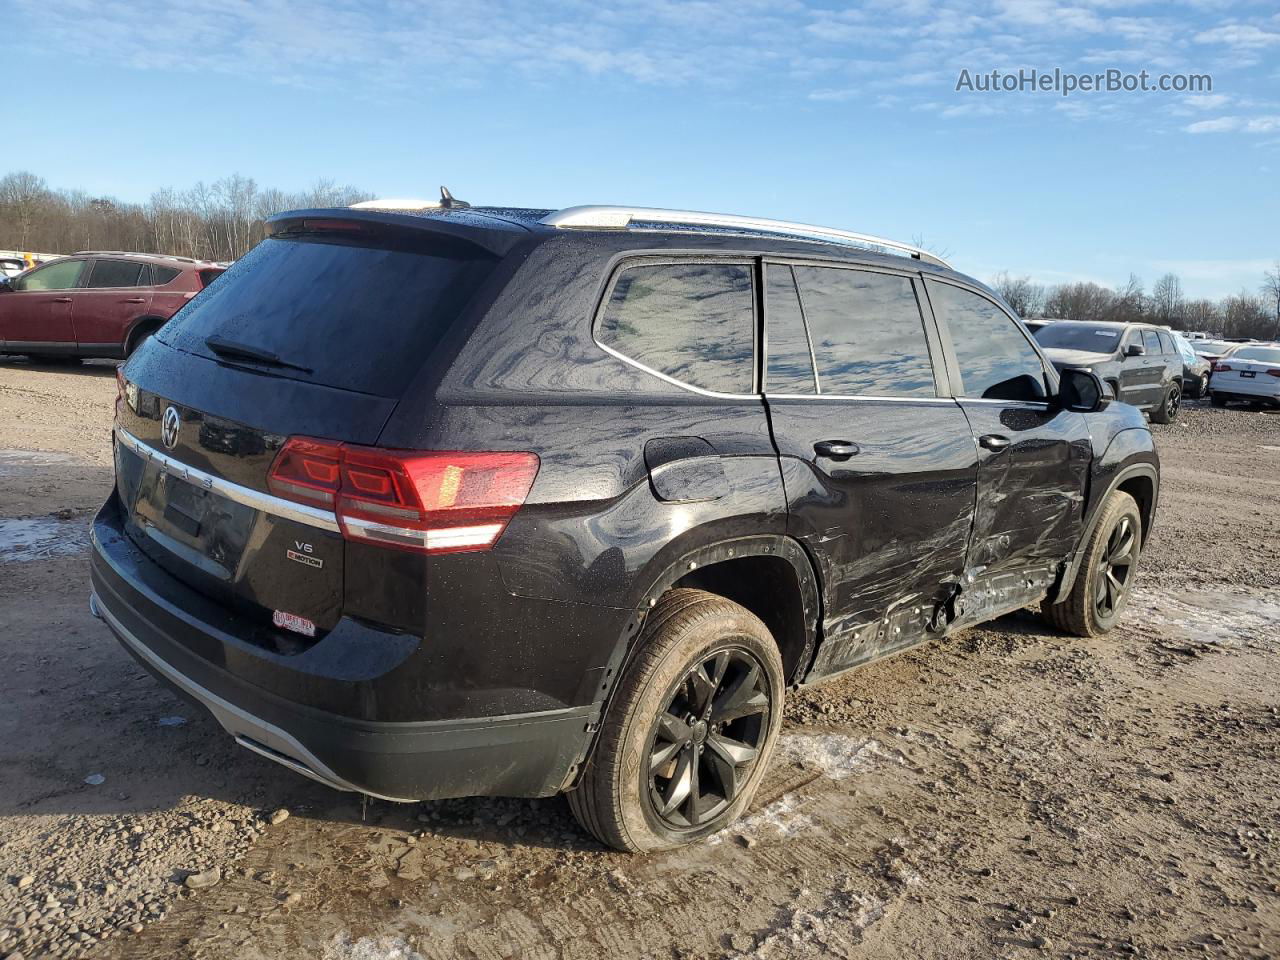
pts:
pixel 232 350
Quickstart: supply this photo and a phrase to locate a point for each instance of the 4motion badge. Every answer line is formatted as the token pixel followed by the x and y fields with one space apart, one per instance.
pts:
pixel 303 553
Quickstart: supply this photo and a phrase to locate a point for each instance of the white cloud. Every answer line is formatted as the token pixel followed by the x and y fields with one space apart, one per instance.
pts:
pixel 1239 35
pixel 1264 124
pixel 1206 101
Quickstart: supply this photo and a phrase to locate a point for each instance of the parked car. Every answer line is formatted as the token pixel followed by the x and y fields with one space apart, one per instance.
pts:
pixel 1211 350
pixel 11 266
pixel 1139 362
pixel 95 303
pixel 451 501
pixel 1249 372
pixel 1196 370
pixel 1035 323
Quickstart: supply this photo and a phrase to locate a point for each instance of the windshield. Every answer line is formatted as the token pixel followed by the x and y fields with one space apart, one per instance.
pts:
pixel 357 317
pixel 1079 336
pixel 1261 354
pixel 1210 348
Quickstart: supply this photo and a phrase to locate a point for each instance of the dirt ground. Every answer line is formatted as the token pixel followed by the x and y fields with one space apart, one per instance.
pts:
pixel 1007 792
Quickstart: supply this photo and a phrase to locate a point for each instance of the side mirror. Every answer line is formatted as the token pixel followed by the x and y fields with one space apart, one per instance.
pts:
pixel 1082 391
pixel 1135 350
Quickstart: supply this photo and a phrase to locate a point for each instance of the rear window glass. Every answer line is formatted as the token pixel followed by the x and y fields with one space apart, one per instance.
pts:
pixel 163 275
pixel 1261 354
pixel 1079 336
pixel 790 367
pixel 868 336
pixel 692 321
pixel 360 318
pixel 207 277
pixel 115 273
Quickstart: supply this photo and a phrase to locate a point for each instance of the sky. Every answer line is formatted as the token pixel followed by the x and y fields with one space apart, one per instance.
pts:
pixel 843 115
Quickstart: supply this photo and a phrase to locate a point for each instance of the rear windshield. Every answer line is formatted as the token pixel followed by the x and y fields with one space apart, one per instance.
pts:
pixel 1214 348
pixel 1082 337
pixel 1261 354
pixel 359 318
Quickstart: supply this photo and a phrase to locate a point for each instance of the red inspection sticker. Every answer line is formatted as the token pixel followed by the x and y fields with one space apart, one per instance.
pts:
pixel 291 621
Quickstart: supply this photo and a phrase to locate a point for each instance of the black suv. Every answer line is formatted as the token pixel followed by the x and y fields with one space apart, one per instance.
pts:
pixel 1141 363
pixel 520 502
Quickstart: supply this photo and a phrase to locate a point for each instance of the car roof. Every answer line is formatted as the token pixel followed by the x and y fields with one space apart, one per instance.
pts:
pixel 499 229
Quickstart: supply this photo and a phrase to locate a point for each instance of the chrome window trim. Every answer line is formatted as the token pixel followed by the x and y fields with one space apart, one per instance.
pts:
pixel 864 396
pixel 246 496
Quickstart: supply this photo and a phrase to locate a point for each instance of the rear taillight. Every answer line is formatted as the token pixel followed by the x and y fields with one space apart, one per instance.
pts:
pixel 432 502
pixel 1221 368
pixel 119 391
pixel 1273 372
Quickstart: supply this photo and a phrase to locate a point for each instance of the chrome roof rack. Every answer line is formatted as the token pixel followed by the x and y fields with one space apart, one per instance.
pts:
pixel 595 217
pixel 134 253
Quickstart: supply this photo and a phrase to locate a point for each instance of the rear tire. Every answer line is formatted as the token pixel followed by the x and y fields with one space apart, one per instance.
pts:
pixel 137 339
pixel 1107 571
pixel 706 674
pixel 1202 386
pixel 1168 409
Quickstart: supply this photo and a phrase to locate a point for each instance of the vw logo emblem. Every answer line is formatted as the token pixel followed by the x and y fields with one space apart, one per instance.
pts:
pixel 169 427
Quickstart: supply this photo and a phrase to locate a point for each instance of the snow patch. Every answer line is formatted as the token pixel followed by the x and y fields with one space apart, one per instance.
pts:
pixel 40 538
pixel 833 755
pixel 343 947
pixel 782 818
pixel 1208 616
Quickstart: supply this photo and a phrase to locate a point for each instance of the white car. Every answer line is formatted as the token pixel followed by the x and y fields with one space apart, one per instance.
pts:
pixel 1249 372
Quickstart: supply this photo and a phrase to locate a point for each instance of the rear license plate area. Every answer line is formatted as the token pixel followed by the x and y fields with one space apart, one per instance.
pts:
pixel 184 506
pixel 1248 374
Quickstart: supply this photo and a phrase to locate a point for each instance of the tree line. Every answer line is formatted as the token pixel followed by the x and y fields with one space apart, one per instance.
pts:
pixel 217 221
pixel 1245 314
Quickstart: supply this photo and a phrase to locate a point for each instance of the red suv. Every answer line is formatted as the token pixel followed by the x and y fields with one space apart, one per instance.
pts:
pixel 96 303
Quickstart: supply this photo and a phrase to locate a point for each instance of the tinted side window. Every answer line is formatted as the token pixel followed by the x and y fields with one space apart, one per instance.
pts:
pixel 1151 342
pixel 163 275
pixel 115 273
pixel 868 336
pixel 1166 343
pixel 62 275
pixel 996 360
pixel 692 321
pixel 790 367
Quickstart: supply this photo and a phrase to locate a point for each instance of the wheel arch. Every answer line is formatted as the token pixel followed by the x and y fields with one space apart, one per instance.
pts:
pixel 1142 482
pixel 768 574
pixel 142 326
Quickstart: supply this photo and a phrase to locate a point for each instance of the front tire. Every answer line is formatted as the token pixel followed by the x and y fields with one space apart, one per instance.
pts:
pixel 1202 386
pixel 1107 571
pixel 689 733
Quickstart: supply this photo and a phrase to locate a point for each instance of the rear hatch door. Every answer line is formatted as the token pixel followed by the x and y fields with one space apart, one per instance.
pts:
pixel 310 334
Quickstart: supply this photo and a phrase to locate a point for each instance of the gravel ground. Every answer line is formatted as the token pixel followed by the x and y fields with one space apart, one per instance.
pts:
pixel 1005 792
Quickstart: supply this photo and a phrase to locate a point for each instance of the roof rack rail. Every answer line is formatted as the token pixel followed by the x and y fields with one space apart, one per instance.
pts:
pixel 595 217
pixel 134 253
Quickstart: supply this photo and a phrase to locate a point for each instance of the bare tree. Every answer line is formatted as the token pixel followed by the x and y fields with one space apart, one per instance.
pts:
pixel 1026 298
pixel 21 195
pixel 1245 315
pixel 1271 291
pixel 1166 300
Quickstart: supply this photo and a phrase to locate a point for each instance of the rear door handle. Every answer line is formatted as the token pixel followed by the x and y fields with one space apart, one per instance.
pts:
pixel 993 441
pixel 61 299
pixel 135 300
pixel 836 449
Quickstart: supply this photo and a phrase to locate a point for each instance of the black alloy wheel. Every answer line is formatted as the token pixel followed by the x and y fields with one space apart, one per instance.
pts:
pixel 706 741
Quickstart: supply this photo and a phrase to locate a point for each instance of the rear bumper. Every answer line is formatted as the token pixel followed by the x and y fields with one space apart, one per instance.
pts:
pixel 525 755
pixel 1262 387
